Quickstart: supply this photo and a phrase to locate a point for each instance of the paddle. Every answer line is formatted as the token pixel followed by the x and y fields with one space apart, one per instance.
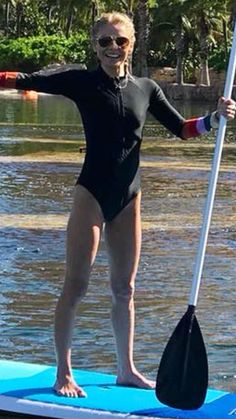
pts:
pixel 182 377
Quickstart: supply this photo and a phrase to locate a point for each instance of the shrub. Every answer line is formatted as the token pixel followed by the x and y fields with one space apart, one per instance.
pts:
pixel 33 53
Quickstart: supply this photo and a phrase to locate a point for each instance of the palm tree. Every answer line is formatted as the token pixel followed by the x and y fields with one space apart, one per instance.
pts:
pixel 208 22
pixel 172 21
pixel 143 22
pixel 128 6
pixel 7 15
pixel 181 45
pixel 204 42
pixel 19 7
pixel 52 5
pixel 19 16
pixel 95 11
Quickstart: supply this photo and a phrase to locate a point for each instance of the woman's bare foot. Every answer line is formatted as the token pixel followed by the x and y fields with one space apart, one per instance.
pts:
pixel 67 387
pixel 135 379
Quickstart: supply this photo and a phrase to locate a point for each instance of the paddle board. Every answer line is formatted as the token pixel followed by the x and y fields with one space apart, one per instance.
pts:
pixel 27 389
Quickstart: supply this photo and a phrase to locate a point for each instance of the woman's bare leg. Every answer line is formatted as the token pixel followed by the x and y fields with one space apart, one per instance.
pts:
pixel 123 238
pixel 83 237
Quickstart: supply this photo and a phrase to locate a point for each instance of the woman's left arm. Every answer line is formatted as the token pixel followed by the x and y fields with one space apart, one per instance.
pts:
pixel 165 113
pixel 202 125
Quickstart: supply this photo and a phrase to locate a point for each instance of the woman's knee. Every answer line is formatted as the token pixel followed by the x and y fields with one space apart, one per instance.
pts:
pixel 122 291
pixel 74 289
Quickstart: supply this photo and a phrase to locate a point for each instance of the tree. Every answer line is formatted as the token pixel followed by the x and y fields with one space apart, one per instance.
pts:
pixel 6 8
pixel 172 19
pixel 207 18
pixel 143 20
pixel 7 15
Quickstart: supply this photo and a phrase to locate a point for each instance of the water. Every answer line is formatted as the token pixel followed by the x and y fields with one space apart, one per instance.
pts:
pixel 39 162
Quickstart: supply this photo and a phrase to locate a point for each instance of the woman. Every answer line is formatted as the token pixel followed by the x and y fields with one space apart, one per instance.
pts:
pixel 113 106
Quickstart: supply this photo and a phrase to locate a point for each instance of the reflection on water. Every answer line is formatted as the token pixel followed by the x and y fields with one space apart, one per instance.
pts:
pixel 39 163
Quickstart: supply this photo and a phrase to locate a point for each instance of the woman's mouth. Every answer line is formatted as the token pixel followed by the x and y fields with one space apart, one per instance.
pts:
pixel 112 55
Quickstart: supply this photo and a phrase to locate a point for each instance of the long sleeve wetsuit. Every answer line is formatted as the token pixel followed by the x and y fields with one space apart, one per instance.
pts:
pixel 113 113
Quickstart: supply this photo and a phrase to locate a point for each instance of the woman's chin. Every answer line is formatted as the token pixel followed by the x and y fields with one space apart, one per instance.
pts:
pixel 113 62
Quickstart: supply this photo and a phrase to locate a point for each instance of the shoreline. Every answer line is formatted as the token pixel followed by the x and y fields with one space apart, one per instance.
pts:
pixel 187 92
pixel 195 90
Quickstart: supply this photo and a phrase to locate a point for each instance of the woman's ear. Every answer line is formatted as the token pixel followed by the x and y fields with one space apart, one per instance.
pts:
pixel 131 48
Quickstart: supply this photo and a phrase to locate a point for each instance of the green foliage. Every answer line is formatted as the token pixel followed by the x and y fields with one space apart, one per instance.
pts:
pixel 165 57
pixel 218 60
pixel 30 54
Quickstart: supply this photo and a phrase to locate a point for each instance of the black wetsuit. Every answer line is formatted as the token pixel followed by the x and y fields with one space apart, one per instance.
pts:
pixel 113 112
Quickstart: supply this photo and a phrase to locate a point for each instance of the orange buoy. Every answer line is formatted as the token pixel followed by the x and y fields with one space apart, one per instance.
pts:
pixel 30 94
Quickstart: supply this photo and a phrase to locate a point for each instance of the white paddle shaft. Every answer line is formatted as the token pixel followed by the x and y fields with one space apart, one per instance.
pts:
pixel 213 179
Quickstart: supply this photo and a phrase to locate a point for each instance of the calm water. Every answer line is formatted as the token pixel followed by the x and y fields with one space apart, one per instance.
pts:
pixel 39 162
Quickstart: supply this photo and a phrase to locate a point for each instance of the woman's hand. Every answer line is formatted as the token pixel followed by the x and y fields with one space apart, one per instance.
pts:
pixel 226 108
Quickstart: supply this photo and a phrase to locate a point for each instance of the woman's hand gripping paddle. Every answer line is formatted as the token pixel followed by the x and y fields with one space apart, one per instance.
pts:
pixel 182 377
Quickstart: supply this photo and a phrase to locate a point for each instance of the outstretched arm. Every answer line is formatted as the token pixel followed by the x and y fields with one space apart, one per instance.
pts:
pixel 61 81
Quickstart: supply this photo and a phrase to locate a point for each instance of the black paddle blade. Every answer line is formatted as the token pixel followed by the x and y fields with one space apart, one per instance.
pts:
pixel 182 377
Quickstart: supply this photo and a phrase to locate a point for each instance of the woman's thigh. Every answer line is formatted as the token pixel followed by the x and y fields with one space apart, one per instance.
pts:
pixel 83 234
pixel 123 239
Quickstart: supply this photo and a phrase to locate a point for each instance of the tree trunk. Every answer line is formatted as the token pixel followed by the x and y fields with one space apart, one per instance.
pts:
pixel 95 12
pixel 179 70
pixel 204 52
pixel 50 12
pixel 69 20
pixel 224 26
pixel 142 38
pixel 180 48
pixel 204 73
pixel 128 5
pixel 19 15
pixel 7 15
pixel 233 14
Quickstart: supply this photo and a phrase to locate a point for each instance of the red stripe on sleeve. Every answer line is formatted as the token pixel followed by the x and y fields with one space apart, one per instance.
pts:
pixel 8 79
pixel 190 128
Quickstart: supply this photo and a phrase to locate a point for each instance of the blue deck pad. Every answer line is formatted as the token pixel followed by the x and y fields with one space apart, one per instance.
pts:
pixel 34 382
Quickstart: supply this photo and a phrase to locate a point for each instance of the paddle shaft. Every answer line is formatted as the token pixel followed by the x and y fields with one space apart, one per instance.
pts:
pixel 213 180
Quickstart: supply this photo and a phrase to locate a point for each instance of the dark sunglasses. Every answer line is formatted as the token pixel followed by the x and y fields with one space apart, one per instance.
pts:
pixel 106 41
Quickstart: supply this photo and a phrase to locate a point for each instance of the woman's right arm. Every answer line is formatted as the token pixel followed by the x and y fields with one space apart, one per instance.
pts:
pixel 61 82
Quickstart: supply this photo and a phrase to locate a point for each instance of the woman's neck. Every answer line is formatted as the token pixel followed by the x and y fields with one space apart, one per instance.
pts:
pixel 115 71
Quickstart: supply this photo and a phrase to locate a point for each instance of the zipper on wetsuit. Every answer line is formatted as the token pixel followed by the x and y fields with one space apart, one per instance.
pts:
pixel 120 99
pixel 121 111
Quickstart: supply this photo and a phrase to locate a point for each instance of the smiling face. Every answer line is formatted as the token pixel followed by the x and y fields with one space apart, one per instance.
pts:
pixel 116 48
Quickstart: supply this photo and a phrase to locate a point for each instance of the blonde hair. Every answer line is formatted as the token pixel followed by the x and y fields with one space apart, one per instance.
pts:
pixel 114 18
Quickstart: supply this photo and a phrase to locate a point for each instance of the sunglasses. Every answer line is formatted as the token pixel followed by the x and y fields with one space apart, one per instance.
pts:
pixel 106 41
